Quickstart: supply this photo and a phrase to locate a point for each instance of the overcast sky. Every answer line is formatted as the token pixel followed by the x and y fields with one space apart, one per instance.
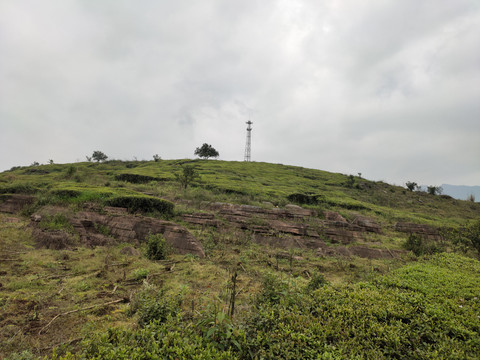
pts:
pixel 390 89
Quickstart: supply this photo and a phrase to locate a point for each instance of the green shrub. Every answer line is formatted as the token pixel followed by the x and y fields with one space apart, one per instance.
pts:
pixel 65 193
pixel 273 290
pixel 421 246
pixel 139 274
pixel 316 282
pixel 155 306
pixel 466 236
pixel 135 179
pixel 187 176
pixel 303 199
pixel 157 248
pixel 19 188
pixel 144 204
pixel 71 170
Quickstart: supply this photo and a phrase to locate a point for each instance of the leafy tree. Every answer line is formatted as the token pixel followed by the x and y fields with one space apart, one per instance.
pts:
pixel 206 151
pixel 99 156
pixel 156 157
pixel 188 175
pixel 434 190
pixel 411 185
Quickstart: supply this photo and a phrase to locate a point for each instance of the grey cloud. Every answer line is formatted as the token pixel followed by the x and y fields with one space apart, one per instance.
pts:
pixel 377 87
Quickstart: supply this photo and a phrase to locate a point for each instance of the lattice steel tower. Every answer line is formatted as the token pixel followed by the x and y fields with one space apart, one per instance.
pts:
pixel 248 146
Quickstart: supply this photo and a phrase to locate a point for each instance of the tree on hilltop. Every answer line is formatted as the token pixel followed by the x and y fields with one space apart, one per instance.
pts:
pixel 411 185
pixel 206 151
pixel 99 156
pixel 434 190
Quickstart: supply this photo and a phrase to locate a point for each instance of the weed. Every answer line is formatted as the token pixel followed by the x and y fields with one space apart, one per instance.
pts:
pixel 58 221
pixel 157 248
pixel 139 274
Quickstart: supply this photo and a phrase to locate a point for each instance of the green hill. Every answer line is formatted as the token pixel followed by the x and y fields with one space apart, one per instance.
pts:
pixel 254 260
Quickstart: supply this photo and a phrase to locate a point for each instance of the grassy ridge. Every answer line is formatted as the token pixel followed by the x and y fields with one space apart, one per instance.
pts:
pixel 242 182
pixel 289 303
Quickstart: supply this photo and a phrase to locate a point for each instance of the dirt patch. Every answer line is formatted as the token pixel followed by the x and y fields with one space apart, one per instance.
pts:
pixel 53 239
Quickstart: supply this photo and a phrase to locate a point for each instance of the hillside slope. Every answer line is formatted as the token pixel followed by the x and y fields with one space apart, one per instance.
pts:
pixel 240 242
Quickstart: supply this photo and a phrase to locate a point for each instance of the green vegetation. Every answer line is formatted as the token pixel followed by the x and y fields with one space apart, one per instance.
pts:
pixel 244 300
pixel 426 310
pixel 99 156
pixel 157 248
pixel 187 176
pixel 206 151
pixel 144 204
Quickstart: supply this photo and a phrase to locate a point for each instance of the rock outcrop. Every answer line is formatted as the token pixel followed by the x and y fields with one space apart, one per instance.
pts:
pixel 116 226
pixel 425 231
pixel 275 226
pixel 13 203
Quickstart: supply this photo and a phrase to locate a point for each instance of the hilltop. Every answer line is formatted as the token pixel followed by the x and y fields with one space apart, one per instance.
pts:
pixel 238 241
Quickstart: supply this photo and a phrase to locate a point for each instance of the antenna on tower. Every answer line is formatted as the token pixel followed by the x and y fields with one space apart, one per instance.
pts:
pixel 248 146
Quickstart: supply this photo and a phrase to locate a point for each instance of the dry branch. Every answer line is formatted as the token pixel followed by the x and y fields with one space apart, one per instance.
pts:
pixel 77 310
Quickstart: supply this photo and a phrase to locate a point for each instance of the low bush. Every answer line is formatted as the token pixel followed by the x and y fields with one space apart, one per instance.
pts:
pixel 65 193
pixel 139 274
pixel 135 179
pixel 316 282
pixel 20 188
pixel 304 199
pixel 157 248
pixel 421 246
pixel 144 204
pixel 273 290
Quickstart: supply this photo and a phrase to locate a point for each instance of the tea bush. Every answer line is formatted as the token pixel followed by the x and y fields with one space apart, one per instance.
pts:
pixel 135 179
pixel 144 204
pixel 425 310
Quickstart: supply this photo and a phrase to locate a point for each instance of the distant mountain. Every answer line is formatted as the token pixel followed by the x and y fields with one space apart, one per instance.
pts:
pixel 461 192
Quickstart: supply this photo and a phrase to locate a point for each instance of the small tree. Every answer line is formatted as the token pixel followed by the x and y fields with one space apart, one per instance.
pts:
pixel 99 156
pixel 156 157
pixel 350 181
pixel 188 175
pixel 434 190
pixel 411 185
pixel 206 151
